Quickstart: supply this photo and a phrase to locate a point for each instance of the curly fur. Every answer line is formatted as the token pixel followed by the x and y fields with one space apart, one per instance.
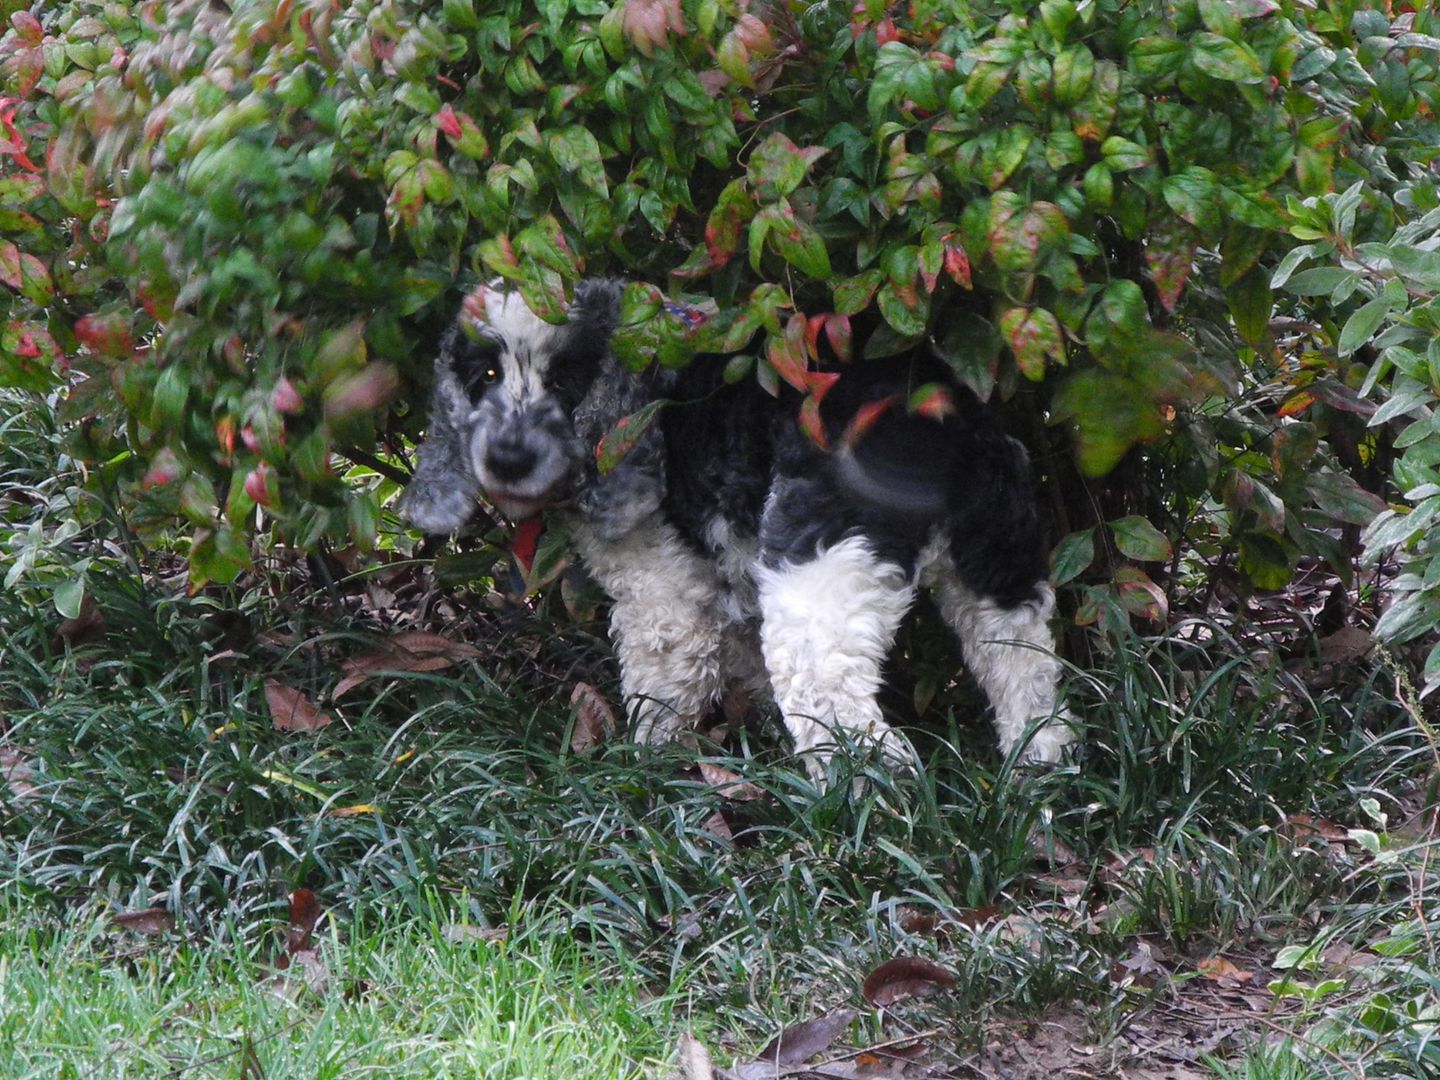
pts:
pixel 734 549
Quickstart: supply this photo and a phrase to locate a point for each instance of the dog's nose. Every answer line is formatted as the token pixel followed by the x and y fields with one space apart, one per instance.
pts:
pixel 510 460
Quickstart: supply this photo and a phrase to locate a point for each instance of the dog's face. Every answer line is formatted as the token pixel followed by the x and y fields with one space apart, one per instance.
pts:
pixel 519 405
pixel 514 383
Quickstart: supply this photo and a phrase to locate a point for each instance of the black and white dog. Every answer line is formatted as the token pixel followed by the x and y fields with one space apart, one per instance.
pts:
pixel 737 551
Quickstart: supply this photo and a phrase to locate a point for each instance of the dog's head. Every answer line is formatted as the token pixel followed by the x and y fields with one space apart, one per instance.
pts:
pixel 518 407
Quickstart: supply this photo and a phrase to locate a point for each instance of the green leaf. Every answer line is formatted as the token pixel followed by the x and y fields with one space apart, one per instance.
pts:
pixel 1074 70
pixel 1194 194
pixel 1139 540
pixel 1221 58
pixel 69 595
pixel 1122 154
pixel 1361 325
pixel 576 151
pixel 1251 303
pixel 1072 557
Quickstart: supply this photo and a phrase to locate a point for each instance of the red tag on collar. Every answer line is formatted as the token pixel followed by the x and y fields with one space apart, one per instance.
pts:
pixel 527 539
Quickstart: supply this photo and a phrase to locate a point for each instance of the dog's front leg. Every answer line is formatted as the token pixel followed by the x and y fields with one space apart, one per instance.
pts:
pixel 827 625
pixel 666 625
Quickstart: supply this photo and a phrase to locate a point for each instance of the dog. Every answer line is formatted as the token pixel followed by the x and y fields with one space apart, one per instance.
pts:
pixel 736 551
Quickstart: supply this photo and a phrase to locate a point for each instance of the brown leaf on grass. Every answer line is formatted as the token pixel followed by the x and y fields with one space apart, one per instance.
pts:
pixel 17 773
pixel 87 626
pixel 1142 967
pixel 1303 828
pixel 1346 645
pixel 1218 969
pixel 290 710
pixel 801 1042
pixel 304 914
pixel 302 970
pixel 904 977
pixel 730 785
pixel 414 650
pixel 594 718
pixel 150 922
pixel 718 827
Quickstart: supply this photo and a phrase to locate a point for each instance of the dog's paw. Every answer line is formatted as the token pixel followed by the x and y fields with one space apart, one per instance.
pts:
pixel 437 509
pixel 1049 743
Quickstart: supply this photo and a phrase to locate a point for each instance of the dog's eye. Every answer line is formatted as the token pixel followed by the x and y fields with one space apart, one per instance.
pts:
pixel 490 376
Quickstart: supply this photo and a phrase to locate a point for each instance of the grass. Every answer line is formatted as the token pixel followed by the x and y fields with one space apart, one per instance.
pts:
pixel 145 771
pixel 406 996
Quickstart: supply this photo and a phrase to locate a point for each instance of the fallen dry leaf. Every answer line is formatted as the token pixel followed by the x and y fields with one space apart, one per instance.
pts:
pixel 718 827
pixel 303 970
pixel 730 785
pixel 904 977
pixel 290 710
pixel 1220 970
pixel 149 922
pixel 304 914
pixel 414 650
pixel 17 773
pixel 1346 645
pixel 1305 827
pixel 1142 967
pixel 594 718
pixel 801 1042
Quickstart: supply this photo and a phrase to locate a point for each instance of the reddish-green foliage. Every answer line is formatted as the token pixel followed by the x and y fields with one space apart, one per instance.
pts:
pixel 246 228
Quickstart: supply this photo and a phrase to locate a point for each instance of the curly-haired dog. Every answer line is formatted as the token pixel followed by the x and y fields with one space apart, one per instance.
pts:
pixel 734 548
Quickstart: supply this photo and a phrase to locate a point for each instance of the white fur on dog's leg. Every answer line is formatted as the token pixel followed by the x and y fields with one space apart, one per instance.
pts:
pixel 1012 653
pixel 666 626
pixel 826 626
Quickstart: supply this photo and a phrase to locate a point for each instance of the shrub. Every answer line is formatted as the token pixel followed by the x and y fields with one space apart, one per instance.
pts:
pixel 248 228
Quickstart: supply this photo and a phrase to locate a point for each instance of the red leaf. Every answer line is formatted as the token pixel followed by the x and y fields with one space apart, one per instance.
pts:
pixel 290 710
pixel 286 399
pixel 865 418
pixel 304 914
pixel 448 122
pixel 106 335
pixel 818 383
pixel 27 28
pixel 1139 595
pixel 527 540
pixel 931 401
pixel 787 354
pixel 259 484
pixel 904 977
pixel 957 263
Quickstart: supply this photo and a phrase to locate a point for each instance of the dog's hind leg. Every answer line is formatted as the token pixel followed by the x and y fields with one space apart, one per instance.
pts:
pixel 1011 652
pixel 827 624
pixel 665 623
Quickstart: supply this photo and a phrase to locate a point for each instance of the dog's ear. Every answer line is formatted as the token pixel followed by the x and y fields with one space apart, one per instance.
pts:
pixel 616 502
pixel 441 496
